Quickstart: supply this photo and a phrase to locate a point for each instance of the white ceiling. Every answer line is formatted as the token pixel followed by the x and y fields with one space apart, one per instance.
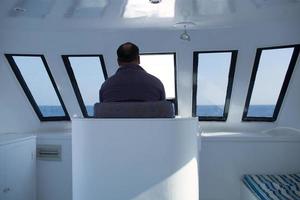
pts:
pixel 103 14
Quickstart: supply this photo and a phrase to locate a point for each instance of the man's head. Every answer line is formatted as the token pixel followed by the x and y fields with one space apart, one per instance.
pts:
pixel 128 53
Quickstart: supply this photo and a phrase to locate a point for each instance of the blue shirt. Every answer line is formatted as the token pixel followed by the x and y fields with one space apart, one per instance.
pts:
pixel 132 83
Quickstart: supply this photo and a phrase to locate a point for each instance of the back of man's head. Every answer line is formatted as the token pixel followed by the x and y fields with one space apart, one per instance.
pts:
pixel 127 53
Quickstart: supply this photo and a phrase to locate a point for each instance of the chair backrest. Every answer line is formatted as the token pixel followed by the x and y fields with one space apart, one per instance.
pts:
pixel 153 109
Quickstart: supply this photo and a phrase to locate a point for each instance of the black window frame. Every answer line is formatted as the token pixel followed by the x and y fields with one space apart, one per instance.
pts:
pixel 27 91
pixel 234 54
pixel 283 89
pixel 74 81
pixel 175 100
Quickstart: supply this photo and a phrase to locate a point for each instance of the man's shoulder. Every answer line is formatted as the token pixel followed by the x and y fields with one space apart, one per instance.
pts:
pixel 153 78
pixel 108 81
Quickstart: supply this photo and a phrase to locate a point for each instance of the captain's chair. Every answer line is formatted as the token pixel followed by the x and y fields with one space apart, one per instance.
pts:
pixel 154 109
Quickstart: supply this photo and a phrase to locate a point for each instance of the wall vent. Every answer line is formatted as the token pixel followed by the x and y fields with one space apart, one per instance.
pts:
pixel 49 152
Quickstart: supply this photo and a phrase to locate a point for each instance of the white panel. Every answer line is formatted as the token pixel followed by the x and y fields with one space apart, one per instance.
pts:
pixel 18 167
pixel 216 7
pixel 270 3
pixel 54 178
pixel 162 66
pixel 32 8
pixel 225 159
pixel 121 159
pixel 88 8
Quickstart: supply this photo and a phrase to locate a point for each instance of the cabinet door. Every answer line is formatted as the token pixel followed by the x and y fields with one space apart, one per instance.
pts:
pixel 20 170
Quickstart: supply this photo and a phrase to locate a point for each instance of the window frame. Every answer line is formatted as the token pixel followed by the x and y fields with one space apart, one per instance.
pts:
pixel 74 81
pixel 283 89
pixel 234 54
pixel 175 100
pixel 28 93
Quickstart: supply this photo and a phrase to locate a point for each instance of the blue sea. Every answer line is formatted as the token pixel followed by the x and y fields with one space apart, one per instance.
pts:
pixel 253 111
pixel 54 111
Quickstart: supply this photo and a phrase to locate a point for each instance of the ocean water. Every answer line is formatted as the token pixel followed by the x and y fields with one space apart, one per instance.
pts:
pixel 261 110
pixel 253 111
pixel 90 110
pixel 52 111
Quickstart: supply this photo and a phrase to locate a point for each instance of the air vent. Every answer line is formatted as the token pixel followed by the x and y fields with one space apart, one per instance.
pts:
pixel 49 152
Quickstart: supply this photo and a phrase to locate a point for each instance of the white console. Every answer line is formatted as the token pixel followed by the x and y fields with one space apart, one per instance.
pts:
pixel 124 159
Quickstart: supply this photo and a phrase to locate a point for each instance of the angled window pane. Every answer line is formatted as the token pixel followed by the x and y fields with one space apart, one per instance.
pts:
pixel 214 75
pixel 89 74
pixel 32 73
pixel 161 66
pixel 143 8
pixel 268 77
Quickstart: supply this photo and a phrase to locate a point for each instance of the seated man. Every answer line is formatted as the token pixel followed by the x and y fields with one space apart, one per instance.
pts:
pixel 131 82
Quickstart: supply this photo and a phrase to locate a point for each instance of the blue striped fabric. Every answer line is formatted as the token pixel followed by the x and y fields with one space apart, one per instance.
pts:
pixel 274 187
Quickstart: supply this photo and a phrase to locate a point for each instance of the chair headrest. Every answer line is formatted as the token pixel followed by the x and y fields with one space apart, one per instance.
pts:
pixel 153 109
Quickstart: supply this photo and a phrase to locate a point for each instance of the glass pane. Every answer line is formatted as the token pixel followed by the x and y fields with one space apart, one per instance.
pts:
pixel 161 66
pixel 89 76
pixel 36 77
pixel 143 8
pixel 213 71
pixel 270 75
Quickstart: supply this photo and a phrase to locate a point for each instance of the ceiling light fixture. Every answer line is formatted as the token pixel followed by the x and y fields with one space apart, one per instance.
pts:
pixel 155 1
pixel 185 36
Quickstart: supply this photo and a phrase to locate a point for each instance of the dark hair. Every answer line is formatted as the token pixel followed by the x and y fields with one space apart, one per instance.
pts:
pixel 127 52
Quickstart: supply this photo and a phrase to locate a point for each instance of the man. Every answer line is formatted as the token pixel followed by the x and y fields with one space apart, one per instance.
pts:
pixel 131 82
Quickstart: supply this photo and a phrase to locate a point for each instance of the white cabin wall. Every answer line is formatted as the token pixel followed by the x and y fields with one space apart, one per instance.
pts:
pixel 222 163
pixel 289 116
pixel 16 113
pixel 265 36
pixel 246 39
pixel 53 44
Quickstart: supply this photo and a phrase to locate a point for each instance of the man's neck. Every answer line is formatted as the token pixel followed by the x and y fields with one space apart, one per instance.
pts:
pixel 128 64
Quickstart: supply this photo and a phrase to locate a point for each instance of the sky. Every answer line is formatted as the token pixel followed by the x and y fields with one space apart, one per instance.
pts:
pixel 213 69
pixel 35 75
pixel 213 72
pixel 161 66
pixel 270 75
pixel 89 76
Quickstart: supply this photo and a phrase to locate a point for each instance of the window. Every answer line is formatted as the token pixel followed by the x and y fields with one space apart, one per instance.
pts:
pixel 87 73
pixel 212 84
pixel 273 68
pixel 162 66
pixel 38 84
